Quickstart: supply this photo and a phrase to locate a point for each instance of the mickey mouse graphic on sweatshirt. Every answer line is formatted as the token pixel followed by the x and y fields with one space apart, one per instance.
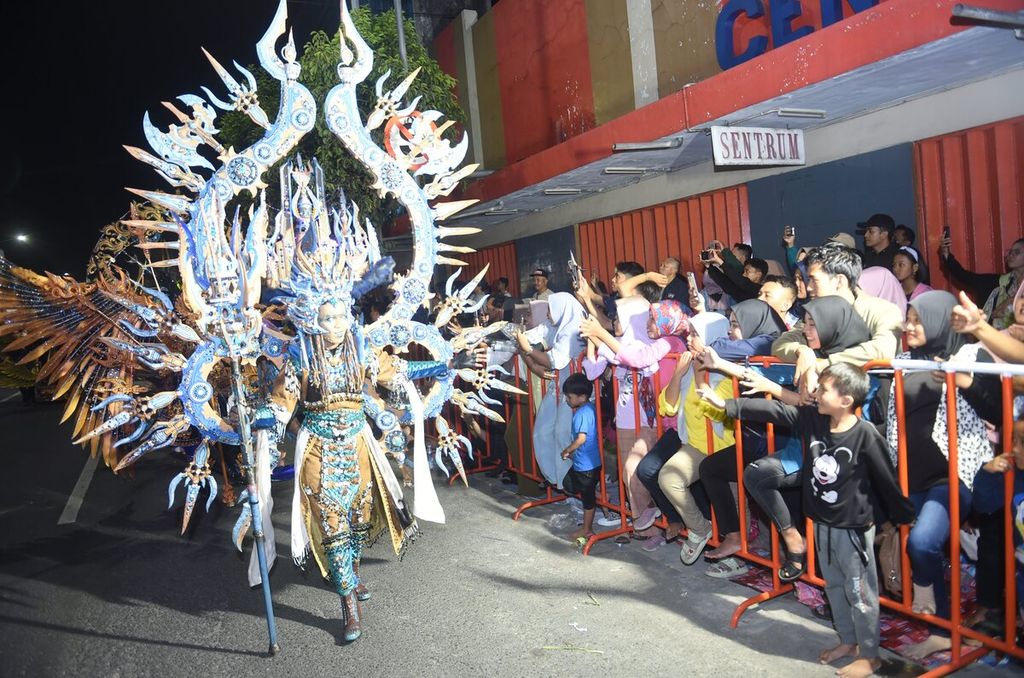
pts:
pixel 845 473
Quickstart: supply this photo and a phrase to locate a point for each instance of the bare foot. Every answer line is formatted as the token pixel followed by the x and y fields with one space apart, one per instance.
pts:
pixel 673 530
pixel 929 645
pixel 860 668
pixel 838 652
pixel 729 546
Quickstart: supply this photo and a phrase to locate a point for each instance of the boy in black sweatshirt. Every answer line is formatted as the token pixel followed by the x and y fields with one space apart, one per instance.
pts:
pixel 846 467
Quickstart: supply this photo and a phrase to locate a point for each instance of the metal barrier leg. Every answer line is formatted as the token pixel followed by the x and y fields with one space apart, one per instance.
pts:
pixel 552 498
pixel 754 600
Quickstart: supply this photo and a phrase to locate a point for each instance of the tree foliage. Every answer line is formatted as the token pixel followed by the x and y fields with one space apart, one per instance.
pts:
pixel 319 60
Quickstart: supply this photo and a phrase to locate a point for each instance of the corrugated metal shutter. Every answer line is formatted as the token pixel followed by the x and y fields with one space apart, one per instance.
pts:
pixel 678 229
pixel 974 181
pixel 502 259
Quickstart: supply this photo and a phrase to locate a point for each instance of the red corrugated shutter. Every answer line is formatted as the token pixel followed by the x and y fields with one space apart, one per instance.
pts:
pixel 679 229
pixel 974 181
pixel 502 259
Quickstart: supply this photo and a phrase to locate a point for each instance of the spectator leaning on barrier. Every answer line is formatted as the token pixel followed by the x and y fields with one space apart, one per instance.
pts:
pixel 879 247
pixel 996 289
pixel 834 270
pixel 676 467
pixel 989 507
pixel 753 325
pixel 667 327
pixel 929 337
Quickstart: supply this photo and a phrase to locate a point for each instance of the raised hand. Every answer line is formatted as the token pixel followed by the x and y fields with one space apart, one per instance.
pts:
pixel 708 395
pixel 966 317
pixel 754 383
pixel 683 361
pixel 590 328
pixel 658 279
pixel 944 247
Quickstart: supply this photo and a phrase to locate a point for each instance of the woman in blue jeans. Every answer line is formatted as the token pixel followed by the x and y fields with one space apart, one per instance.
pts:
pixel 929 336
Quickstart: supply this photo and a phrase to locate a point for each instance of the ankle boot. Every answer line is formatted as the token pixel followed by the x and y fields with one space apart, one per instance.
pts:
pixel 362 593
pixel 353 627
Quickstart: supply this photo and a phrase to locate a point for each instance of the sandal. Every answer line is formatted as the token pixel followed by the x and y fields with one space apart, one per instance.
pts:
pixel 793 568
pixel 693 546
pixel 727 568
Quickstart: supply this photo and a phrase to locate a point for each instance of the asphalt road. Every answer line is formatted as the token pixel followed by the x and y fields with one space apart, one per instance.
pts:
pixel 119 593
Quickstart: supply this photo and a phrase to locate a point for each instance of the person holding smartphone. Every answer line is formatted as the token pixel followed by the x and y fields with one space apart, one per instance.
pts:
pixel 996 289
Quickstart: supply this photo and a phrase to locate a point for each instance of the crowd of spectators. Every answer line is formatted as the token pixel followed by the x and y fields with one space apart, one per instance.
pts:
pixel 664 348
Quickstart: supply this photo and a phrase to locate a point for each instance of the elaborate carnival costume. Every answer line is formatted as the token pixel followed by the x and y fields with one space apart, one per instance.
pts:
pixel 314 258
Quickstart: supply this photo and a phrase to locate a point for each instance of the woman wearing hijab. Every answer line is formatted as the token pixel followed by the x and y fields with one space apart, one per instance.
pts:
pixel 753 326
pixel 929 336
pixel 671 467
pixel 552 427
pixel 879 282
pixel 831 325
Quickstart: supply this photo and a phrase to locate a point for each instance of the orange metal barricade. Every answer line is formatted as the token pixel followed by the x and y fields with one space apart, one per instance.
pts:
pixel 954 625
pixel 960 656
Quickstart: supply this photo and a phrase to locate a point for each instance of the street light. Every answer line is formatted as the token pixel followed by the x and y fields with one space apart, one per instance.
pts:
pixel 21 237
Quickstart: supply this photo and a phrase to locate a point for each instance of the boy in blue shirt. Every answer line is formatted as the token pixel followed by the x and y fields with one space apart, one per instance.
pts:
pixel 585 450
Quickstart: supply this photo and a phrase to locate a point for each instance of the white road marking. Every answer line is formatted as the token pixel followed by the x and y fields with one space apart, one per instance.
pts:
pixel 10 397
pixel 74 504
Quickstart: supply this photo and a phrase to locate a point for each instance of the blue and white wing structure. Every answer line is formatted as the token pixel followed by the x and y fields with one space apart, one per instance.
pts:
pixel 415 148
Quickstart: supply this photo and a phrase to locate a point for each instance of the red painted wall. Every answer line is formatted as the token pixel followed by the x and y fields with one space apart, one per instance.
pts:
pixel 678 229
pixel 502 259
pixel 974 181
pixel 544 71
pixel 821 55
pixel 443 50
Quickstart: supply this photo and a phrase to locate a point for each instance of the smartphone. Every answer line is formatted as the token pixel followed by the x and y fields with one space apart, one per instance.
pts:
pixel 789 231
pixel 705 255
pixel 691 279
pixel 945 232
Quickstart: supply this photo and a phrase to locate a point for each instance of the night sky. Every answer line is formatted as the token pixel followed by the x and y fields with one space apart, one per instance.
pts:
pixel 78 77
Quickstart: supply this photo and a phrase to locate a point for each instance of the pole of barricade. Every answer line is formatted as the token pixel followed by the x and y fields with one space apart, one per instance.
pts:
pixel 1010 563
pixel 904 479
pixel 519 414
pixel 741 501
pixel 954 516
pixel 602 483
pixel 634 376
pixel 778 587
pixel 551 495
pixel 710 434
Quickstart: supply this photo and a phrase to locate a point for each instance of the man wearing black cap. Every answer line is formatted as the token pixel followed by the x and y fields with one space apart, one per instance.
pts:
pixel 539 277
pixel 879 241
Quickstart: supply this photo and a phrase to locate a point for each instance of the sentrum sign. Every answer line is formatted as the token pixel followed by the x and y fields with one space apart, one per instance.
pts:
pixel 758 146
